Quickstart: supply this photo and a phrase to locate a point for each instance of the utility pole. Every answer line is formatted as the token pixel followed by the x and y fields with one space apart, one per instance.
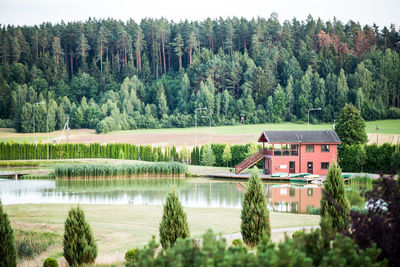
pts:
pixel 308 125
pixel 210 137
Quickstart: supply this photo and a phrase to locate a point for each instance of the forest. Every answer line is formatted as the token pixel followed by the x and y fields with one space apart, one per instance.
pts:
pixel 110 75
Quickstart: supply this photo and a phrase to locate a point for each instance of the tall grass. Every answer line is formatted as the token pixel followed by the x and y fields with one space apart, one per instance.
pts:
pixel 31 243
pixel 360 180
pixel 97 171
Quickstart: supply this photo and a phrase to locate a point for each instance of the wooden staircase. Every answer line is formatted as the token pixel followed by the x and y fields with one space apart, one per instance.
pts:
pixel 250 161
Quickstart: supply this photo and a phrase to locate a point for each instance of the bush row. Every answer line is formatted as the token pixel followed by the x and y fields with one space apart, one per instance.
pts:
pixel 18 151
pixel 369 158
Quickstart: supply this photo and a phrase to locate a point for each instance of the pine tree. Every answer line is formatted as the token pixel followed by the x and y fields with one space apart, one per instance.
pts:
pixel 255 224
pixel 173 224
pixel 79 244
pixel 351 126
pixel 8 251
pixel 334 204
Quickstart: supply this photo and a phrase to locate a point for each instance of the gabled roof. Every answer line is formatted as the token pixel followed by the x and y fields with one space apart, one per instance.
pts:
pixel 296 137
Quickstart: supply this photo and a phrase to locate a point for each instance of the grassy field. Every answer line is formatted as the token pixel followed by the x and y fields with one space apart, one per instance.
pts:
pixel 178 136
pixel 118 228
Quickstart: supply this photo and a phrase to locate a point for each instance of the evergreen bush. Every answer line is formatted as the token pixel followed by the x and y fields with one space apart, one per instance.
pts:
pixel 50 262
pixel 255 216
pixel 334 203
pixel 173 224
pixel 8 251
pixel 130 257
pixel 79 244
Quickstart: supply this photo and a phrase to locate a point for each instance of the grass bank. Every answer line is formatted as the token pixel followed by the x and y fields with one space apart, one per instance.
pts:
pixel 119 227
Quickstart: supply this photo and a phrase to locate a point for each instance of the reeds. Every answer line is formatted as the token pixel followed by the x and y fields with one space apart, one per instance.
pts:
pixel 97 171
pixel 360 180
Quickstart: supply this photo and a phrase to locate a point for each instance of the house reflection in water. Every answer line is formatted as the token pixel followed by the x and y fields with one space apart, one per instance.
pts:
pixel 293 199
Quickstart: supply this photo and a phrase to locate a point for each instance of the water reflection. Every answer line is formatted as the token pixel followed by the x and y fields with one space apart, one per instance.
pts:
pixel 294 199
pixel 193 193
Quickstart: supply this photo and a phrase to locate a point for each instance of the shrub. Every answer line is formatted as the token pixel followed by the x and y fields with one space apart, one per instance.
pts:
pixel 32 243
pixel 8 251
pixel 237 243
pixel 334 203
pixel 298 234
pixel 130 256
pixel 25 249
pixel 50 262
pixel 79 244
pixel 255 224
pixel 173 224
pixel 380 224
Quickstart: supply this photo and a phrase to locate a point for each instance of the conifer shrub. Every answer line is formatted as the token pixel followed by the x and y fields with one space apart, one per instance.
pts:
pixel 298 234
pixel 334 203
pixel 130 257
pixel 237 242
pixel 50 262
pixel 79 244
pixel 8 251
pixel 173 223
pixel 255 216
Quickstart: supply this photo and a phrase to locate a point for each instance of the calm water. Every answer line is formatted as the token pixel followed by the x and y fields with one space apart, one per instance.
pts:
pixel 192 193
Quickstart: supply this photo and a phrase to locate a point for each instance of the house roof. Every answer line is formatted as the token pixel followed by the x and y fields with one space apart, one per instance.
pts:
pixel 297 137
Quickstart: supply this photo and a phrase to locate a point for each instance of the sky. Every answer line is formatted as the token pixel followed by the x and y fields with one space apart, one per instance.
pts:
pixel 31 12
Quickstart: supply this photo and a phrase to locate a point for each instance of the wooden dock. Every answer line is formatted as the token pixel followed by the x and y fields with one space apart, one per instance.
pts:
pixel 12 174
pixel 245 176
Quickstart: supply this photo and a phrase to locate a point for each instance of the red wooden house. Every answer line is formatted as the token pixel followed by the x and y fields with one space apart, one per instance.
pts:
pixel 295 152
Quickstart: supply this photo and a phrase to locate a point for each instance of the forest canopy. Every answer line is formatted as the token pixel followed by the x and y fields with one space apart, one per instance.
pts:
pixel 109 75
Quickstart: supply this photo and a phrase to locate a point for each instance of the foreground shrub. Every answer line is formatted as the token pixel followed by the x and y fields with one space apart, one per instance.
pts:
pixel 334 203
pixel 130 257
pixel 8 251
pixel 79 244
pixel 32 243
pixel 50 262
pixel 173 224
pixel 380 224
pixel 255 216
pixel 341 251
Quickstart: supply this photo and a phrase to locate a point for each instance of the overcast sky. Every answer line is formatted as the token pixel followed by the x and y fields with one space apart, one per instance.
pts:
pixel 30 12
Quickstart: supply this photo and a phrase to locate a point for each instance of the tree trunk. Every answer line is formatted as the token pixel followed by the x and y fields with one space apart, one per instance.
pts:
pixel 163 51
pixel 71 60
pixel 101 58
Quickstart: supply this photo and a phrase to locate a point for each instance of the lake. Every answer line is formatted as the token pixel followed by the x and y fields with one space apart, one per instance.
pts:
pixel 195 192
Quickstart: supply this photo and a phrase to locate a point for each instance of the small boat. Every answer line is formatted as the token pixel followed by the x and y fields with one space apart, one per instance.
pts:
pixel 312 176
pixel 279 174
pixel 297 175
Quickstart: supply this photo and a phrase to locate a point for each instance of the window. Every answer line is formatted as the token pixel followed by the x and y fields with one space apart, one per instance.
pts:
pixel 324 165
pixel 309 191
pixel 293 150
pixel 309 148
pixel 324 148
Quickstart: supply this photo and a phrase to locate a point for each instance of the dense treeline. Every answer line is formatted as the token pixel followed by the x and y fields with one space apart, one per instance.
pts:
pixel 109 74
pixel 352 158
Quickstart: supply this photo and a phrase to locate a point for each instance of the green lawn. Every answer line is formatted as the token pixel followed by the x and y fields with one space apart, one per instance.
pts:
pixel 385 127
pixel 120 227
